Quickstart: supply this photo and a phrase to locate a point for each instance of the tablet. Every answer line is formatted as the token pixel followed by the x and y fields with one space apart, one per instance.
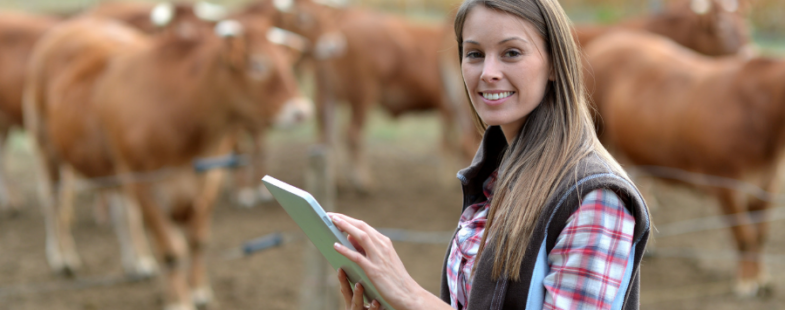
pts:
pixel 312 219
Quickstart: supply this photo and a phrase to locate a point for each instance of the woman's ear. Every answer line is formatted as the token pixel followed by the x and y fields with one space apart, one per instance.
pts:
pixel 551 75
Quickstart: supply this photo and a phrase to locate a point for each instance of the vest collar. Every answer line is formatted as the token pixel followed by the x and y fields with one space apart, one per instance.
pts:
pixel 490 152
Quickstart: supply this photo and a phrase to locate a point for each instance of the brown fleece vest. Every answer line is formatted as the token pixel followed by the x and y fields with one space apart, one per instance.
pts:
pixel 592 173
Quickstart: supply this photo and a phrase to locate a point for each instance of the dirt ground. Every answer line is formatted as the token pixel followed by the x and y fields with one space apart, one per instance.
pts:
pixel 413 192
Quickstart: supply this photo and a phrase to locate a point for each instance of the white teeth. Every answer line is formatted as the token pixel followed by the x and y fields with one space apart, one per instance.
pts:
pixel 497 96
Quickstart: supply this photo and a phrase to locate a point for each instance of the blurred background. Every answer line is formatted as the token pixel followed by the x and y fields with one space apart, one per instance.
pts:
pixel 414 189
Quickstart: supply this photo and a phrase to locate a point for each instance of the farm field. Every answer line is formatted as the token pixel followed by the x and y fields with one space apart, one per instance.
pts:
pixel 415 189
pixel 414 192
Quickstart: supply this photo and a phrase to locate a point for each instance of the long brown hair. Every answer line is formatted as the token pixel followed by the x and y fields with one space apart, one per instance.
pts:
pixel 556 135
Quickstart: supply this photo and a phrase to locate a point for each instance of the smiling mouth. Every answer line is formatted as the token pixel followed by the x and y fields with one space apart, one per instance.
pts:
pixel 497 96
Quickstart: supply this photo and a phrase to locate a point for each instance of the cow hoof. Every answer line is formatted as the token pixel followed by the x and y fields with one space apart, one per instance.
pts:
pixel 202 297
pixel 746 289
pixel 65 271
pixel 62 266
pixel 144 268
pixel 181 306
pixel 249 197
pixel 246 197
pixel 765 288
pixel 361 186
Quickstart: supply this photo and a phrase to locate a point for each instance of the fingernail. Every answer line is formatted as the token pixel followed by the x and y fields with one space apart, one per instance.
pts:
pixel 337 245
pixel 336 219
pixel 357 285
pixel 375 304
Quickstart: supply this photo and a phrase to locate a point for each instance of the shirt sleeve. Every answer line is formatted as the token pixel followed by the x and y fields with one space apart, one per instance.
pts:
pixel 588 261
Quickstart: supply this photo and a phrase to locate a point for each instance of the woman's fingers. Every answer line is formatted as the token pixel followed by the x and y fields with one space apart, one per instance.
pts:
pixel 356 245
pixel 361 237
pixel 357 258
pixel 357 299
pixel 375 305
pixel 346 288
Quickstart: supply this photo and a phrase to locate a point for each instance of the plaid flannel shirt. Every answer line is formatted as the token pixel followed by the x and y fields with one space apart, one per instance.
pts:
pixel 586 265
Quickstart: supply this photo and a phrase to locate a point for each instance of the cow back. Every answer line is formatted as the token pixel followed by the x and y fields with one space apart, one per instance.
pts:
pixel 18 34
pixel 662 104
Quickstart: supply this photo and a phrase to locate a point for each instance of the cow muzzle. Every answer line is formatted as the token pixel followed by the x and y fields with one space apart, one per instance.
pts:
pixel 295 111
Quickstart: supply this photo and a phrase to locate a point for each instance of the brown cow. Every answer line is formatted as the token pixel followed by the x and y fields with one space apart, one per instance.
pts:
pixel 18 34
pixel 664 105
pixel 248 188
pixel 710 27
pixel 365 57
pixel 103 100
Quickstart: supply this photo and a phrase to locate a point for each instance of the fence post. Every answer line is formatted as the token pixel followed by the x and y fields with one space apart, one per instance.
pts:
pixel 320 286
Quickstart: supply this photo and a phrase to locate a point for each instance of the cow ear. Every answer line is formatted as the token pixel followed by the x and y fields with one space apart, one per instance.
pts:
pixel 700 7
pixel 287 38
pixel 162 14
pixel 209 11
pixel 232 33
pixel 284 6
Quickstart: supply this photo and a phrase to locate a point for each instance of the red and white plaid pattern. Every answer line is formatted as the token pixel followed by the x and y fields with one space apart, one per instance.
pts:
pixel 586 265
pixel 465 245
pixel 588 261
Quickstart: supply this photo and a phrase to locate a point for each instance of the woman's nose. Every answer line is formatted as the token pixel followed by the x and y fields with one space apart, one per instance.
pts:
pixel 491 70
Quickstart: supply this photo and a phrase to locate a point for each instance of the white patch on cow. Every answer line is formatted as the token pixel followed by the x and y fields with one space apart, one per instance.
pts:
pixel 202 296
pixel 729 5
pixel 333 3
pixel 330 45
pixel 162 14
pixel 700 7
pixel 209 11
pixel 287 38
pixel 229 28
pixel 293 112
pixel 179 306
pixel 283 5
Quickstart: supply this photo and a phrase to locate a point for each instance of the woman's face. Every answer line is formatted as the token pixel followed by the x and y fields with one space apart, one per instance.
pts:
pixel 505 67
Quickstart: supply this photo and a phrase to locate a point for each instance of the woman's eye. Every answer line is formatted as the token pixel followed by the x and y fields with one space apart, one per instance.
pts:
pixel 473 55
pixel 512 53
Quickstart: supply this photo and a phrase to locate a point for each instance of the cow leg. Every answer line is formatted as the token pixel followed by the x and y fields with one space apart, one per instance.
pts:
pixel 768 183
pixel 101 208
pixel 451 158
pixel 171 246
pixel 65 213
pixel 137 260
pixel 62 258
pixel 325 104
pixel 6 201
pixel 47 170
pixel 745 235
pixel 252 190
pixel 198 229
pixel 359 174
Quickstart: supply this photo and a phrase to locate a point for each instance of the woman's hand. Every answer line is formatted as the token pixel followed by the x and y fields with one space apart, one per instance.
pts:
pixel 354 298
pixel 377 257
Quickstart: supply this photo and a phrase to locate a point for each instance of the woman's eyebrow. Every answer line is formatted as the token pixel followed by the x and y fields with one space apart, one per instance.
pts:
pixel 513 38
pixel 500 42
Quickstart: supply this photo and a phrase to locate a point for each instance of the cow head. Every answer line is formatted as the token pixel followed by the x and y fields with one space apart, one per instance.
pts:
pixel 722 28
pixel 260 72
pixel 308 17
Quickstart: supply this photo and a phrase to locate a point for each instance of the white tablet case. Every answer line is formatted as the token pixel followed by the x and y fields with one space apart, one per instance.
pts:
pixel 312 219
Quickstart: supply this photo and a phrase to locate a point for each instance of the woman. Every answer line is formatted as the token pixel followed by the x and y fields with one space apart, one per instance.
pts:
pixel 550 220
